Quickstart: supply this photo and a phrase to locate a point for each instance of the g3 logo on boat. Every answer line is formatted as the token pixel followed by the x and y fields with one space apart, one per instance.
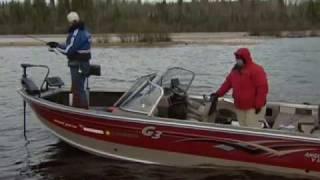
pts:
pixel 151 131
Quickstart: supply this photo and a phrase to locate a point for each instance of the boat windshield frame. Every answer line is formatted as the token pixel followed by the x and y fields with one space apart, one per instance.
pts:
pixel 140 96
pixel 166 76
pixel 139 92
pixel 134 88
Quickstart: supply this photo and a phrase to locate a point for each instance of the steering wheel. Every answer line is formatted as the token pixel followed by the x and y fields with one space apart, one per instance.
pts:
pixel 174 87
pixel 178 90
pixel 174 90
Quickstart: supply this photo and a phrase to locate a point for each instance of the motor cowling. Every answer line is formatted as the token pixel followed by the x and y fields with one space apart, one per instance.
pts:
pixel 30 86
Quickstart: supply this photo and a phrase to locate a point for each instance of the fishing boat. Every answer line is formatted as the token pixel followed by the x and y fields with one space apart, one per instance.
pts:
pixel 158 121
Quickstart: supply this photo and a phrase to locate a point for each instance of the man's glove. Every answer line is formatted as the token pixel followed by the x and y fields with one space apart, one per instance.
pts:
pixel 214 96
pixel 52 44
pixel 258 110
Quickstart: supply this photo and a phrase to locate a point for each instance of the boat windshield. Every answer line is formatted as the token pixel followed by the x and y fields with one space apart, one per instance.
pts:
pixel 180 76
pixel 145 99
pixel 144 96
pixel 135 87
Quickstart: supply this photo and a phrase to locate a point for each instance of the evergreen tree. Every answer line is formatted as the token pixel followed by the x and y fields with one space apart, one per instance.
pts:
pixel 102 16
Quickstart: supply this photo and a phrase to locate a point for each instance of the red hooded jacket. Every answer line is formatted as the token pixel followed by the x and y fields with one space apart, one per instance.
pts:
pixel 250 84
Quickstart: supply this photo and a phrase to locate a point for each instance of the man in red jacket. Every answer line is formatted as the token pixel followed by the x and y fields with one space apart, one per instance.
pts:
pixel 250 88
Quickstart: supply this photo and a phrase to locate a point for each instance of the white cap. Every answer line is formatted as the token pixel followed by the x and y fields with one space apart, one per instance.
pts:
pixel 73 16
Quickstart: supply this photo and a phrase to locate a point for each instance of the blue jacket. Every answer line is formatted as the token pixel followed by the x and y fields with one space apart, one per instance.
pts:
pixel 78 44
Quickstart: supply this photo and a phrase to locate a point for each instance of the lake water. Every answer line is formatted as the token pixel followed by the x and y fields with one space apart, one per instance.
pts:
pixel 293 67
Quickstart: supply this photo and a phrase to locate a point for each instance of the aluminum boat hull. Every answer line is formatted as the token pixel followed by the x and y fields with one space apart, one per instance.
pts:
pixel 162 141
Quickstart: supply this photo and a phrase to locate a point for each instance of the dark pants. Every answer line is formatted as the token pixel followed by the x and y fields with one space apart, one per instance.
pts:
pixel 78 80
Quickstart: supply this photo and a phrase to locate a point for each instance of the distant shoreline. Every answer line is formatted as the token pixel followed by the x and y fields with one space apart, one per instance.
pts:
pixel 109 40
pixel 289 34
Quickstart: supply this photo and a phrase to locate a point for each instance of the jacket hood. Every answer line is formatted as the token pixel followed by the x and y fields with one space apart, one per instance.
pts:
pixel 244 54
pixel 79 25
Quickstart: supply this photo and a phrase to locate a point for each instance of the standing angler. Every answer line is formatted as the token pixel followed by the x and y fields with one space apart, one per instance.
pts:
pixel 78 51
pixel 249 83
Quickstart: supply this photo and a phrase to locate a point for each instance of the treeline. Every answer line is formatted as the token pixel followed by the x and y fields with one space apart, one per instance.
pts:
pixel 128 16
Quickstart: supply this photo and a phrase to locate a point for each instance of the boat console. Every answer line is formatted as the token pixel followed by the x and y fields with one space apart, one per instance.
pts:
pixel 173 104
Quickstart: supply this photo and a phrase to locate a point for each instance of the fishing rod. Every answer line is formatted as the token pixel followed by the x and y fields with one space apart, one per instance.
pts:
pixel 43 41
pixel 36 38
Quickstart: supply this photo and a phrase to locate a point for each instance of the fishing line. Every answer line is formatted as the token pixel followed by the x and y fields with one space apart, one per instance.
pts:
pixel 45 42
pixel 35 38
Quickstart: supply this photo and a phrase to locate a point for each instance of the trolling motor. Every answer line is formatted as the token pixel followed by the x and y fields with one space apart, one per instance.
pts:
pixel 27 83
pixel 32 89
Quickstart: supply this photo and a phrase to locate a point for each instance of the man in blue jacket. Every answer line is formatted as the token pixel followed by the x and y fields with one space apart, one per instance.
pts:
pixel 78 51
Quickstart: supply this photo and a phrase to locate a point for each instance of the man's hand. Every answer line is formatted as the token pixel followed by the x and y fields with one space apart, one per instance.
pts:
pixel 258 110
pixel 53 44
pixel 214 96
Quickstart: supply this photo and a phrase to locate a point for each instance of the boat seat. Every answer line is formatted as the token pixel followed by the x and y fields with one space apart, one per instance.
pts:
pixel 316 129
pixel 197 110
pixel 162 108
pixel 225 116
pixel 307 120
pixel 225 113
pixel 294 119
pixel 285 120
pixel 306 123
pixel 95 70
pixel 177 107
